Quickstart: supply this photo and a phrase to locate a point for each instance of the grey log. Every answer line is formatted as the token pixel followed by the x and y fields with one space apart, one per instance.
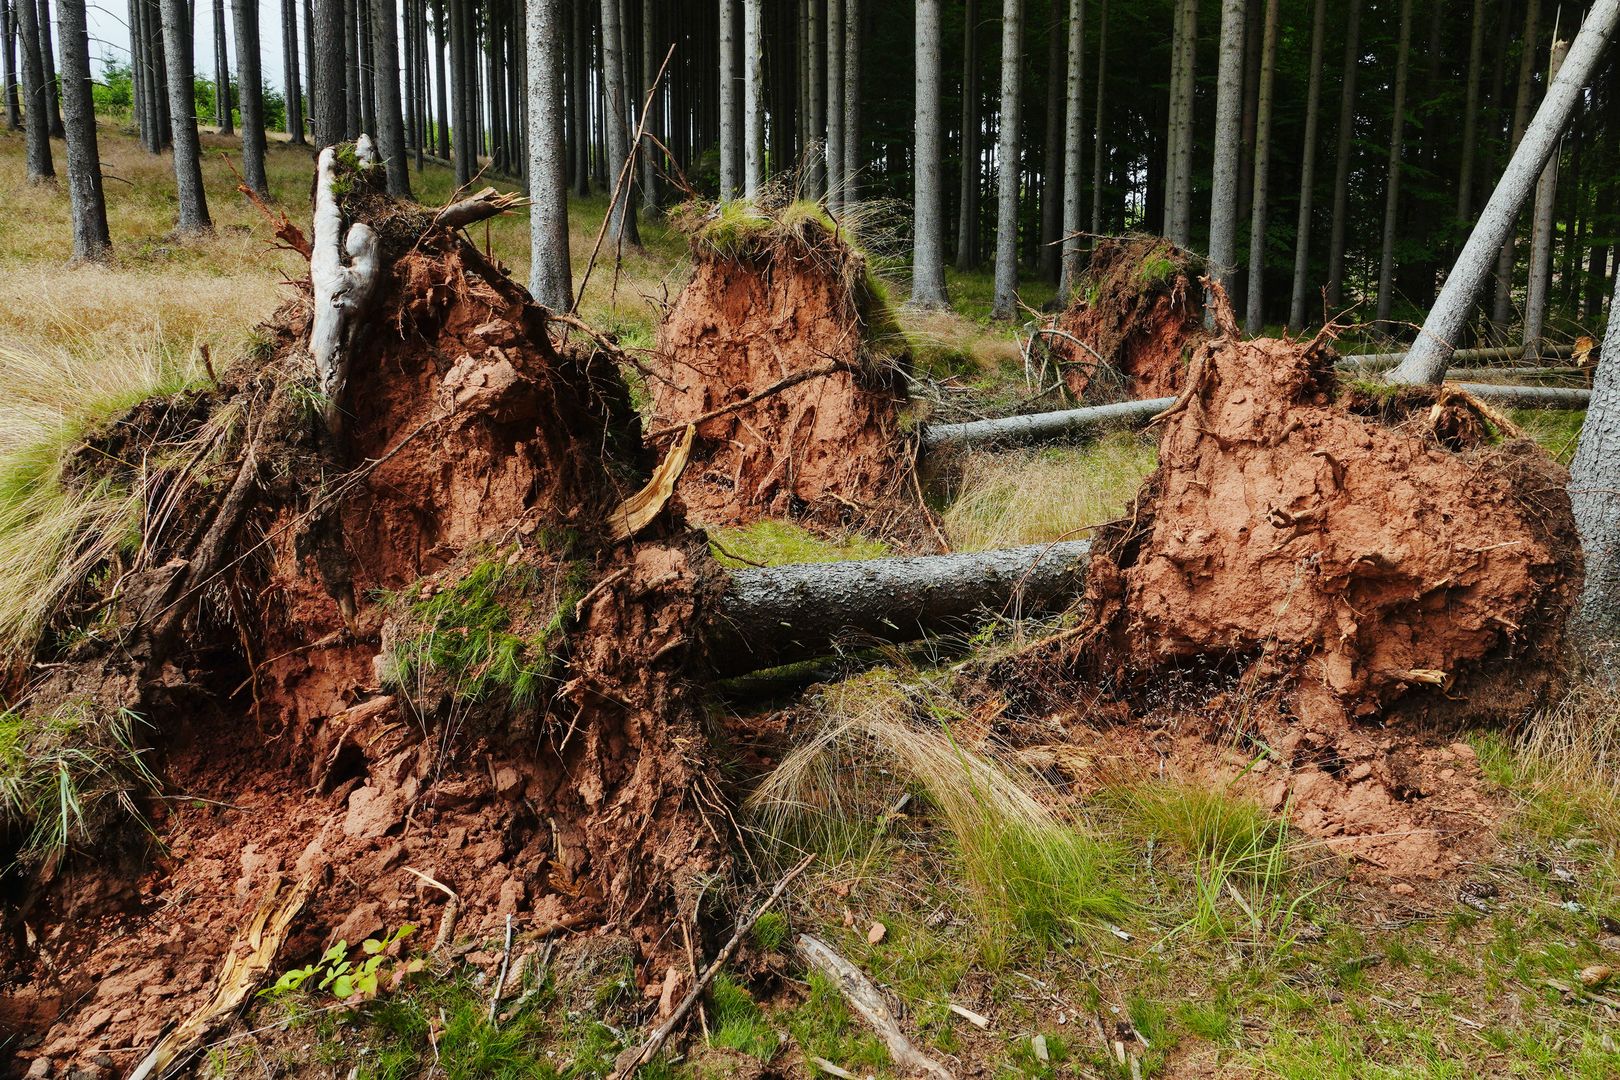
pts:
pixel 1460 358
pixel 1038 427
pixel 783 614
pixel 1529 397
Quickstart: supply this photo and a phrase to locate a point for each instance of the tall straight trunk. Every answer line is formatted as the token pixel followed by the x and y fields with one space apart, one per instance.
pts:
pixel 1307 170
pixel 967 204
pixel 1074 146
pixel 1594 498
pixel 579 80
pixel 1047 260
pixel 159 77
pixel 1179 164
pixel 291 78
pixel 753 97
pixel 928 248
pixel 366 59
pixel 177 32
pixel 47 56
pixel 1470 135
pixel 441 80
pixel 1502 306
pixel 91 241
pixel 1097 133
pixel 353 119
pixel 40 166
pixel 1252 32
pixel 309 62
pixel 835 104
pixel 1392 186
pixel 618 137
pixel 854 39
pixel 328 67
pixel 8 45
pixel 222 72
pixel 816 84
pixel 550 280
pixel 390 116
pixel 463 149
pixel 1007 161
pixel 1426 362
pixel 1341 169
pixel 1535 304
pixel 252 94
pixel 1228 130
pixel 729 180
pixel 651 56
pixel 408 53
pixel 1262 166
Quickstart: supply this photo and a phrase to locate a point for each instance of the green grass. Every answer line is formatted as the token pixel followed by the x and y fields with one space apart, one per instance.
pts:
pixel 774 542
pixel 738 1022
pixel 1557 430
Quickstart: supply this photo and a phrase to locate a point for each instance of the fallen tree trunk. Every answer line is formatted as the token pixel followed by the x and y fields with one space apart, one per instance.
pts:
pixel 783 614
pixel 1037 427
pixel 1529 397
pixel 1460 359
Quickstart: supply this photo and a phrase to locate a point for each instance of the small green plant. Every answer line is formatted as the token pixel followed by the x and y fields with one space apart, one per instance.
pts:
pixel 771 931
pixel 1156 268
pixel 379 966
pixel 738 1022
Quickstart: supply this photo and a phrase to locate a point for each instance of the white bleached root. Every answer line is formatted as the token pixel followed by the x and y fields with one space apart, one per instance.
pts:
pixel 342 291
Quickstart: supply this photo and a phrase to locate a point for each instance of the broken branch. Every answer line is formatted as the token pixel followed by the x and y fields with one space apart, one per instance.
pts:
pixel 867 1000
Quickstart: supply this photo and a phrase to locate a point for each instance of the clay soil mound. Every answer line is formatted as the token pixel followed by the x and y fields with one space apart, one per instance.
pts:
pixel 359 654
pixel 1334 593
pixel 783 351
pixel 1139 308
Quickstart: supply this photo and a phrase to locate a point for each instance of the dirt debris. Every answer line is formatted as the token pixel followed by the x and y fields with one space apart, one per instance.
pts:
pixel 1139 312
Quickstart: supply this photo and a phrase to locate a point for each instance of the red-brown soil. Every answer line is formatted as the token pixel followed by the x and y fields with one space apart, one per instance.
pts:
pixel 792 301
pixel 1140 312
pixel 1333 592
pixel 471 435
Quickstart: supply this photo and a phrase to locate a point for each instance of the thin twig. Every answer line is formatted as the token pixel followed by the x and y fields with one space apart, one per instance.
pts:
pixel 832 367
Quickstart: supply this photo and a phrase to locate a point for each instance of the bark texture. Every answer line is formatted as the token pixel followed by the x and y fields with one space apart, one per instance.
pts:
pixel 183 118
pixel 91 241
pixel 1392 186
pixel 36 120
pixel 1007 165
pixel 1307 172
pixel 1594 495
pixel 251 93
pixel 1223 209
pixel 1342 156
pixel 551 280
pixel 928 247
pixel 390 112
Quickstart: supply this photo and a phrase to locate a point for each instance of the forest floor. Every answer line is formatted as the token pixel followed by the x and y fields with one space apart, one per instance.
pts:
pixel 1218 940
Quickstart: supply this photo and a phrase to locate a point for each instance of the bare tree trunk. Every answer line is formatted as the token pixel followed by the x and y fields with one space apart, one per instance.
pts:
pixel 1228 125
pixel 177 33
pixel 291 77
pixel 1594 496
pixel 1392 187
pixel 8 44
pixel 753 97
pixel 309 61
pixel 650 58
pixel 1535 304
pixel 462 145
pixel 1179 152
pixel 1097 136
pixel 1502 307
pixel 550 278
pixel 158 76
pixel 967 208
pixel 327 63
pixel 91 241
pixel 222 73
pixel 854 38
pixel 1470 137
pixel 1048 255
pixel 353 122
pixel 928 248
pixel 1262 166
pixel 729 180
pixel 1426 362
pixel 366 66
pixel 1074 145
pixel 1007 161
pixel 1341 171
pixel 40 166
pixel 1307 171
pixel 816 84
pixel 47 56
pixel 835 104
pixel 390 118
pixel 251 91
pixel 618 136
pixel 579 76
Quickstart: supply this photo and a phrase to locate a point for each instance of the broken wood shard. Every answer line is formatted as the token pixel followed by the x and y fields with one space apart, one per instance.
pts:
pixel 867 1000
pixel 475 208
pixel 341 291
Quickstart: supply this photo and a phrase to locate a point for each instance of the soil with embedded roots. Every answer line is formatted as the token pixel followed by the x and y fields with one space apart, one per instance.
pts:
pixel 784 354
pixel 1133 322
pixel 377 658
pixel 1333 588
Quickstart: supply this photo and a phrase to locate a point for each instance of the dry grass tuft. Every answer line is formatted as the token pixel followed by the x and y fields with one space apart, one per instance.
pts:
pixel 1567 765
pixel 1003 499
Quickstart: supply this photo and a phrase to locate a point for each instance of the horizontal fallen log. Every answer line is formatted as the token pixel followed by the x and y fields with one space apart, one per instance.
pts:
pixel 784 614
pixel 1461 358
pixel 1040 427
pixel 1528 397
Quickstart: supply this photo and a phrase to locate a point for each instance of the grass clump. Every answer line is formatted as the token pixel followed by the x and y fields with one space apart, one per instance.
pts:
pixel 497 627
pixel 738 1022
pixel 65 774
pixel 1030 497
pixel 823 1027
pixel 1557 431
pixel 771 931
pixel 773 542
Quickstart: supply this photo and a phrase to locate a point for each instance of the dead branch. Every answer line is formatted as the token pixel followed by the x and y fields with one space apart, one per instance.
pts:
pixel 829 368
pixel 480 207
pixel 867 1000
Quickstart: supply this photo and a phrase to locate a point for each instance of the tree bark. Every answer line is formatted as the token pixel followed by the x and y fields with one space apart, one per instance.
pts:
pixel 327 63
pixel 1179 140
pixel 835 104
pixel 1228 123
pixel 309 62
pixel 854 39
pixel 816 79
pixel 1470 136
pixel 1074 144
pixel 390 117
pixel 1048 258
pixel 784 614
pixel 1502 307
pixel 8 45
pixel 1307 171
pixel 550 278
pixel 753 97
pixel 928 248
pixel 1262 165
pixel 650 58
pixel 967 206
pixel 579 80
pixel 1005 301
pixel 463 149
pixel 47 56
pixel 615 118
pixel 1097 136
pixel 1426 363
pixel 729 180
pixel 91 241
pixel 1392 187
pixel 251 92
pixel 222 73
pixel 291 77
pixel 177 33
pixel 1535 303
pixel 1594 496
pixel 1341 170
pixel 1083 423
pixel 353 122
pixel 36 120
